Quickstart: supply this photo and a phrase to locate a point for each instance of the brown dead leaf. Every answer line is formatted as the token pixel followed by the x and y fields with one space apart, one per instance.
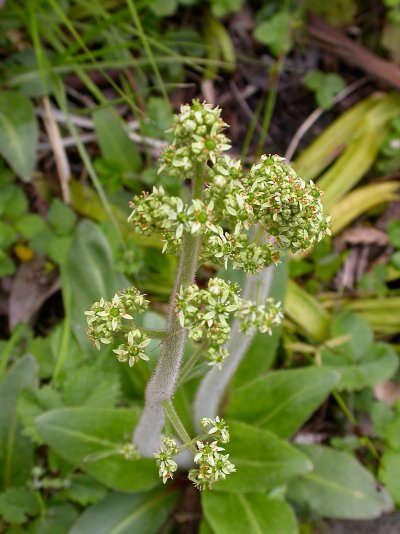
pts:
pixel 31 287
pixel 388 392
pixel 365 236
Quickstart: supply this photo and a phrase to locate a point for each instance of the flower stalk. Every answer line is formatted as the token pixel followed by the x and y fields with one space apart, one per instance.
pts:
pixel 161 386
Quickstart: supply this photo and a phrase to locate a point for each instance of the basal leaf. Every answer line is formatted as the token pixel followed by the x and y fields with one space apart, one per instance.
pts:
pixel 262 460
pixel 339 486
pixel 90 438
pixel 379 363
pixel 16 450
pixel 389 473
pixel 123 513
pixel 114 141
pixel 90 273
pixel 18 133
pixel 16 504
pixel 282 401
pixel 235 513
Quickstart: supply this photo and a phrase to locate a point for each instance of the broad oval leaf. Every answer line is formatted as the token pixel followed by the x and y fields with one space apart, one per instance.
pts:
pixel 339 486
pixel 121 513
pixel 90 437
pixel 255 513
pixel 282 401
pixel 16 450
pixel 262 460
pixel 89 274
pixel 116 147
pixel 389 473
pixel 378 364
pixel 18 133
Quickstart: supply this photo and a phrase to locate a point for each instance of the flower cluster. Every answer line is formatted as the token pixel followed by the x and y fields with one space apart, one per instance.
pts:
pixel 288 208
pixel 206 313
pixel 164 459
pixel 132 350
pixel 221 247
pixel 198 137
pixel 213 466
pixel 259 316
pixel 170 216
pixel 216 428
pixel 106 323
pixel 246 218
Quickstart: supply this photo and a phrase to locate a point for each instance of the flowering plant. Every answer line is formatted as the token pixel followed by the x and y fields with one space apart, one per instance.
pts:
pixel 247 219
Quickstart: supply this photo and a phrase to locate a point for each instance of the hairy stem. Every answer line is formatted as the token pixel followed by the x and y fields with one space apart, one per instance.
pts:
pixel 213 386
pixel 162 385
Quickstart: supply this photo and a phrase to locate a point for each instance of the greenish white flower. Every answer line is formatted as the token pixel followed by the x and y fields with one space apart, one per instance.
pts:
pixel 166 465
pixel 216 428
pixel 213 465
pixel 133 349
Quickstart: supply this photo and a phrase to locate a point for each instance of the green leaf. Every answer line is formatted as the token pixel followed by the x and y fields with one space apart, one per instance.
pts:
pixel 163 8
pixel 13 202
pixel 392 429
pixel 306 311
pixel 7 235
pixel 378 364
pixel 389 473
pixel 359 332
pixel 325 86
pixel 88 386
pixel 58 248
pixel 234 513
pixel 16 451
pixel 205 527
pixel 57 518
pixel 18 133
pixel 114 141
pixel 61 217
pixel 393 229
pixel 16 504
pixel 276 33
pixel 381 415
pixel 220 8
pixel 262 460
pixel 34 402
pixel 90 274
pixel 30 225
pixel 339 486
pixel 144 513
pixel 7 265
pixel 83 436
pixel 85 490
pixel 282 401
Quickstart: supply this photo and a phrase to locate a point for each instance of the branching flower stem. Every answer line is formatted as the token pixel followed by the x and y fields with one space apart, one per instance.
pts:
pixel 162 385
pixel 178 426
pixel 189 364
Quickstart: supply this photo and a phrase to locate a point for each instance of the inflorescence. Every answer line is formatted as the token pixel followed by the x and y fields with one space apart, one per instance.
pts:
pixel 206 313
pixel 113 320
pixel 246 218
pixel 212 463
pixel 242 218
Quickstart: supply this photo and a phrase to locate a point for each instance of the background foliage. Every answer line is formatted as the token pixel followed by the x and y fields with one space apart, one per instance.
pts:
pixel 87 92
